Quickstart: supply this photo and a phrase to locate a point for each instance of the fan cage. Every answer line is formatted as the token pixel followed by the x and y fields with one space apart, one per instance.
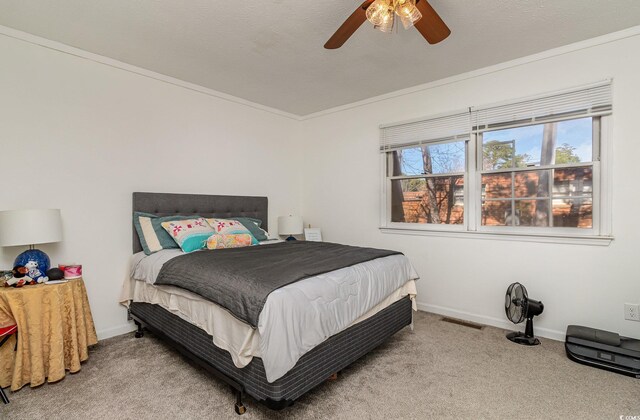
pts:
pixel 516 301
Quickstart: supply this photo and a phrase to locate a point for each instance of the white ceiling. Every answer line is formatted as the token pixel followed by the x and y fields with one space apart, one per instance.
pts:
pixel 271 51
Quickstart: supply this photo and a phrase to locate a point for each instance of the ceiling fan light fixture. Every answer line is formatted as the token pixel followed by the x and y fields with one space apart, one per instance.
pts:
pixel 387 23
pixel 378 12
pixel 408 13
pixel 383 15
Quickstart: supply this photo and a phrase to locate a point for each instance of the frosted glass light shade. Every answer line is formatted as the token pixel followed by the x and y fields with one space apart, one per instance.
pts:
pixel 30 227
pixel 409 14
pixel 378 10
pixel 290 225
pixel 387 23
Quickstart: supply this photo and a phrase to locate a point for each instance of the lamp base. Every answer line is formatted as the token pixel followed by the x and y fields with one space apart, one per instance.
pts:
pixel 291 238
pixel 30 256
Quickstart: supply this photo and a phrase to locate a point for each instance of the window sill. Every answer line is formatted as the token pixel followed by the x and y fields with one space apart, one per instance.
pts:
pixel 519 237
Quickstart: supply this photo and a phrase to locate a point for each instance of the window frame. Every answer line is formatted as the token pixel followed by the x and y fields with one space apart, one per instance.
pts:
pixel 596 139
pixel 599 234
pixel 387 162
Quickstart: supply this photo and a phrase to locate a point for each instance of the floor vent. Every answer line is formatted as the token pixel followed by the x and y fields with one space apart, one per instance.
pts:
pixel 463 323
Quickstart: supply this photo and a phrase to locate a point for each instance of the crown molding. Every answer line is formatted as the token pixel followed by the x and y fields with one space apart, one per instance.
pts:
pixel 100 59
pixel 565 49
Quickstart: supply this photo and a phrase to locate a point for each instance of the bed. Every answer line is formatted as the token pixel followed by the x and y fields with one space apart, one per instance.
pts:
pixel 248 367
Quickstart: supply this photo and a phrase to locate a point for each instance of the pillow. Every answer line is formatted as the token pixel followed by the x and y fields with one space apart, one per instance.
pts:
pixel 230 227
pixel 153 237
pixel 190 234
pixel 253 226
pixel 250 219
pixel 229 241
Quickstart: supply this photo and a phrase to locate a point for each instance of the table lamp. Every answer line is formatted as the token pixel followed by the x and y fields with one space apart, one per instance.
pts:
pixel 30 227
pixel 290 225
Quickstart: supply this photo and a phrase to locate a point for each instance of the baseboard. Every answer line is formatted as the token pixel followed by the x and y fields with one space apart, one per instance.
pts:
pixel 440 310
pixel 114 331
pixel 488 320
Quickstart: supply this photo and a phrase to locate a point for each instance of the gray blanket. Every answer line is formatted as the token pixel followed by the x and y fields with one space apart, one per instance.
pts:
pixel 240 279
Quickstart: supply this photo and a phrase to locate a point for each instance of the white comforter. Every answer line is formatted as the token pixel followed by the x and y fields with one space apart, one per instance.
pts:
pixel 299 316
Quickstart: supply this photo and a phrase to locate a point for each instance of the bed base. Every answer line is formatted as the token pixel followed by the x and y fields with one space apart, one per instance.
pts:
pixel 236 387
pixel 315 367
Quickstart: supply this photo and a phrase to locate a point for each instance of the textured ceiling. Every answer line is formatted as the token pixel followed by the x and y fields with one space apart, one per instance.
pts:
pixel 271 51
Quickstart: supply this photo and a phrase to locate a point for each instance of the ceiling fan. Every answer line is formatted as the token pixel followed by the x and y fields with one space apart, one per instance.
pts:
pixel 383 14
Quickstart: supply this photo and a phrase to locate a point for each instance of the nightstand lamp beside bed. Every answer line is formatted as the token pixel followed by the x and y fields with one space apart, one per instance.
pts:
pixel 290 225
pixel 30 227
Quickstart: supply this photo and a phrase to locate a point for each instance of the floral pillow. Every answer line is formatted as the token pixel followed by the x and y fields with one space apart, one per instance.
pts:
pixel 229 241
pixel 190 235
pixel 230 227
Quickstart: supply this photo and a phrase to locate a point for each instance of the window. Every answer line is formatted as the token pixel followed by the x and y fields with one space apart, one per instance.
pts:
pixel 531 167
pixel 428 183
pixel 426 164
pixel 539 175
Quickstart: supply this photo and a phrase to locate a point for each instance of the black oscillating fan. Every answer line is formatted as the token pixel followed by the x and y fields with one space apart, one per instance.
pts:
pixel 518 306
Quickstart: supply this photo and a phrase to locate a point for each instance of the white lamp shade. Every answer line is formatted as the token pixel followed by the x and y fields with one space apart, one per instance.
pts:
pixel 290 225
pixel 30 227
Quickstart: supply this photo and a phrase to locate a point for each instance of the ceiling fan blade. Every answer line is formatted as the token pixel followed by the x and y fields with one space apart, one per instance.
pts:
pixel 431 26
pixel 349 26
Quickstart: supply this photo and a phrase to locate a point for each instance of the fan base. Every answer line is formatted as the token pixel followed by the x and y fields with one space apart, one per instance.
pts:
pixel 521 338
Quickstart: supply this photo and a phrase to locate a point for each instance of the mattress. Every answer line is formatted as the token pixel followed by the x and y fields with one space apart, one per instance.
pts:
pixel 295 319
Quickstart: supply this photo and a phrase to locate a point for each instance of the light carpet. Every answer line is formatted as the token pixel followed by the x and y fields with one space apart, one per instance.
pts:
pixel 440 370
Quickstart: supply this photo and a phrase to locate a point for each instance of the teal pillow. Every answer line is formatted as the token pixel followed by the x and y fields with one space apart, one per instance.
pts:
pixel 251 219
pixel 253 226
pixel 153 237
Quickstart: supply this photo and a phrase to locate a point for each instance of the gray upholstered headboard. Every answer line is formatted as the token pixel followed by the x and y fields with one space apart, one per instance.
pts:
pixel 223 206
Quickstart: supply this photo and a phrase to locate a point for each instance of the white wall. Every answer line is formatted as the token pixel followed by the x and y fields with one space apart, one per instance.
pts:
pixel 82 136
pixel 464 277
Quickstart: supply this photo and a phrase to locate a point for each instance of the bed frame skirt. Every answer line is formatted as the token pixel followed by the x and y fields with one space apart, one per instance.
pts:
pixel 333 355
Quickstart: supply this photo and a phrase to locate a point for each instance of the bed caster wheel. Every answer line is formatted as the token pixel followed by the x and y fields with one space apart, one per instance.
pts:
pixel 139 334
pixel 240 409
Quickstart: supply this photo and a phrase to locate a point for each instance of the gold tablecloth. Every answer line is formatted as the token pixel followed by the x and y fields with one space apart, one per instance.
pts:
pixel 55 328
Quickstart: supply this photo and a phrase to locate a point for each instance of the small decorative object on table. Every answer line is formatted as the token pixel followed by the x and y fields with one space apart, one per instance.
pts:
pixel 71 271
pixel 19 277
pixel 312 234
pixel 55 274
pixel 36 263
pixel 5 276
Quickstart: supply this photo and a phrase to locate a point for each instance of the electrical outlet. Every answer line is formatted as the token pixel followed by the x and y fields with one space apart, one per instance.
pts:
pixel 632 311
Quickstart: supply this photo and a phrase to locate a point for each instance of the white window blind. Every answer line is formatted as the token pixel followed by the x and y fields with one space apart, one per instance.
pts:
pixel 414 133
pixel 593 100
